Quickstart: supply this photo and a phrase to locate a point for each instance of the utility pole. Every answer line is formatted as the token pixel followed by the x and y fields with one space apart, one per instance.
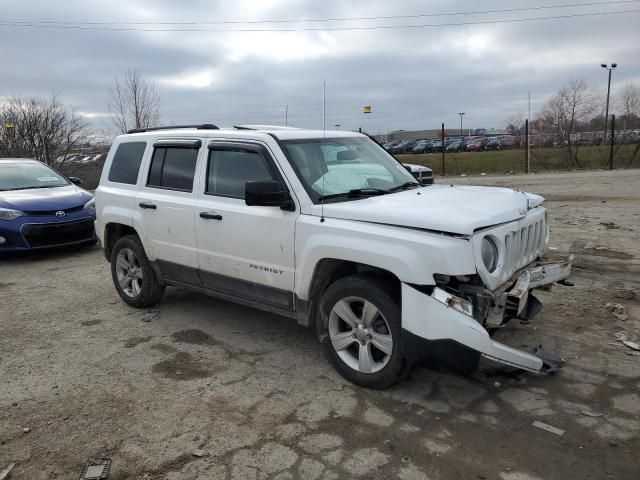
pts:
pixel 442 138
pixel 528 134
pixel 613 139
pixel 286 115
pixel 461 114
pixel 606 115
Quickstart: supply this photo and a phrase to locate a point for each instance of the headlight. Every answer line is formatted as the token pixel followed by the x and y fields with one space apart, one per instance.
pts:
pixel 7 214
pixel 90 205
pixel 489 252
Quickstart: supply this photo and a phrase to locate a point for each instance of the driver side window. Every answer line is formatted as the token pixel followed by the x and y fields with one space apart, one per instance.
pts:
pixel 229 169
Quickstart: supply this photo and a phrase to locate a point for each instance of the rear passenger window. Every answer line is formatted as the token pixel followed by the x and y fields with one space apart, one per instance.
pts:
pixel 126 162
pixel 173 168
pixel 229 170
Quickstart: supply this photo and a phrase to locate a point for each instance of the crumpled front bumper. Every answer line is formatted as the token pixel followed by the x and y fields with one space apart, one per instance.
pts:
pixel 434 330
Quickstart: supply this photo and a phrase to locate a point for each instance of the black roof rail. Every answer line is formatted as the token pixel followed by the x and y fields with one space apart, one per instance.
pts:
pixel 202 126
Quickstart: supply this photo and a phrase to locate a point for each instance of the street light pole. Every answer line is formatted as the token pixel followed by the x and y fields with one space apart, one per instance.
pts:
pixel 461 114
pixel 337 125
pixel 606 115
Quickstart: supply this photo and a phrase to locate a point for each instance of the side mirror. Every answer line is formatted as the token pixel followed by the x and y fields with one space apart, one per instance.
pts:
pixel 266 194
pixel 75 180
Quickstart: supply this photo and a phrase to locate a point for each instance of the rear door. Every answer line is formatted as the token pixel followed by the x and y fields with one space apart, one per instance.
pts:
pixel 165 206
pixel 244 251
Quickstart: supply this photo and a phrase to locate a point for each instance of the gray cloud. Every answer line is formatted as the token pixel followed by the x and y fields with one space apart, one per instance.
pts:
pixel 413 78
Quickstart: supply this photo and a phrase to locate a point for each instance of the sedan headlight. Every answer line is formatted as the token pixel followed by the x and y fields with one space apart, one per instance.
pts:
pixel 8 214
pixel 489 252
pixel 90 205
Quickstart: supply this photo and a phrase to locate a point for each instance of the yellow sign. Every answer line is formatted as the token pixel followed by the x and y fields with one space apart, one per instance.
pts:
pixel 366 109
pixel 9 125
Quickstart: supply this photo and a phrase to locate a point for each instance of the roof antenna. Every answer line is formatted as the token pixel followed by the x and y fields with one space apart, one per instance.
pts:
pixel 324 130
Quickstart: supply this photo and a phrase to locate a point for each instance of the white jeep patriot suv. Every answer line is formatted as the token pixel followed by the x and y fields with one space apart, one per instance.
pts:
pixel 331 230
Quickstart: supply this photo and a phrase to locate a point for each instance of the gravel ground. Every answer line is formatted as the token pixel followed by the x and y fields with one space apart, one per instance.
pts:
pixel 251 395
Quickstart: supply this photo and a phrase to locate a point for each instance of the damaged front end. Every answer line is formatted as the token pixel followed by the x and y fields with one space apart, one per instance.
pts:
pixel 452 322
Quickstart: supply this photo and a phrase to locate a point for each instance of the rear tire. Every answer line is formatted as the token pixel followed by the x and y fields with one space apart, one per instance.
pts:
pixel 134 278
pixel 360 329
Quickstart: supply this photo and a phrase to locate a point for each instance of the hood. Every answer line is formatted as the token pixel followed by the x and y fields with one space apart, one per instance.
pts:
pixel 44 199
pixel 453 209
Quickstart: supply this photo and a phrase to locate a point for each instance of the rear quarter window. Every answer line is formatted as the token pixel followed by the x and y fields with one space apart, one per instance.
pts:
pixel 126 162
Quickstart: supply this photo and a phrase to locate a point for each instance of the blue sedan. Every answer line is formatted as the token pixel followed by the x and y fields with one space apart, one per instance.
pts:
pixel 40 208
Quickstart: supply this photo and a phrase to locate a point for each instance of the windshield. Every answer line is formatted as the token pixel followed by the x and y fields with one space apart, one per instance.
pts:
pixel 24 175
pixel 346 167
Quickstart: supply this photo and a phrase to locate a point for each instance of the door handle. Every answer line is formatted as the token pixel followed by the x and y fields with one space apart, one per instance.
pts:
pixel 210 216
pixel 150 206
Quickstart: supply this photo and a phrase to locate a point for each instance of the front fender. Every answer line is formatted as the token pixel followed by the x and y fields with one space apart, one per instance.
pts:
pixel 413 256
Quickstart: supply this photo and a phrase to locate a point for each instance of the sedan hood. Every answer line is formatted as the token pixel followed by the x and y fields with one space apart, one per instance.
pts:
pixel 44 199
pixel 452 209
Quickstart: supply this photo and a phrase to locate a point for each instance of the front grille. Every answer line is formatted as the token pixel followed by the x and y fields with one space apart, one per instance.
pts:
pixel 524 245
pixel 45 213
pixel 53 234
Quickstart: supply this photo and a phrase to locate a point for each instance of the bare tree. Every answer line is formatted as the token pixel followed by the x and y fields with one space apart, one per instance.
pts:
pixel 515 123
pixel 569 109
pixel 628 102
pixel 38 128
pixel 133 103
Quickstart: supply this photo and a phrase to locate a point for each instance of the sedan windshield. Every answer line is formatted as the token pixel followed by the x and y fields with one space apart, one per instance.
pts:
pixel 346 168
pixel 26 175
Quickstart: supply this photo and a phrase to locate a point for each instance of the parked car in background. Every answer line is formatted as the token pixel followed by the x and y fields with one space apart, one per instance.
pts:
pixel 434 146
pixel 388 146
pixel 403 147
pixel 456 146
pixel 41 208
pixel 477 145
pixel 420 146
pixel 494 143
pixel 423 174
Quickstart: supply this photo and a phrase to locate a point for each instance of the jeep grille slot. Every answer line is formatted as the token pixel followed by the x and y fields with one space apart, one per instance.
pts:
pixel 523 246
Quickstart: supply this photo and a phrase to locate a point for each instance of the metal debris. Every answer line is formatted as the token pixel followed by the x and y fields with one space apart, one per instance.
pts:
pixel 618 310
pixel 5 473
pixel 632 345
pixel 96 469
pixel 548 428
pixel 150 316
pixel 589 413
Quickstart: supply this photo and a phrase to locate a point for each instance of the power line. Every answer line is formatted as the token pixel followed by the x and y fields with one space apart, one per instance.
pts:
pixel 8 23
pixel 336 19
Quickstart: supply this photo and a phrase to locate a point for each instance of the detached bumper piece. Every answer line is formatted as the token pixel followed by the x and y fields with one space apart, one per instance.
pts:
pixel 550 363
pixel 443 332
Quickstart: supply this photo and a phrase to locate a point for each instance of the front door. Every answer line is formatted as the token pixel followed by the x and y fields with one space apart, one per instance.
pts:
pixel 244 251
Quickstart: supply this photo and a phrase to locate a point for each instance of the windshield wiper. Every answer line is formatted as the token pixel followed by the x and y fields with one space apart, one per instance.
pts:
pixel 404 186
pixel 356 192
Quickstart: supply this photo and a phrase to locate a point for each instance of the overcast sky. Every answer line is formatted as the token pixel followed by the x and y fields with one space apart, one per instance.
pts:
pixel 414 78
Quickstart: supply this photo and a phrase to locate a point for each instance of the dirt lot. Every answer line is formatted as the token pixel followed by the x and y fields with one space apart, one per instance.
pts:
pixel 254 394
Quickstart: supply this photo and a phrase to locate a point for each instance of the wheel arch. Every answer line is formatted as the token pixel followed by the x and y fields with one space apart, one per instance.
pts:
pixel 328 270
pixel 114 231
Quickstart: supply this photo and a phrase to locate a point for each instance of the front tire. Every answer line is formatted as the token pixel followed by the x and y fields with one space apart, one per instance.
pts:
pixel 134 278
pixel 360 329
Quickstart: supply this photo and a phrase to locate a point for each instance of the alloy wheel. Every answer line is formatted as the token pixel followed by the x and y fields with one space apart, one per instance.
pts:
pixel 129 272
pixel 360 335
